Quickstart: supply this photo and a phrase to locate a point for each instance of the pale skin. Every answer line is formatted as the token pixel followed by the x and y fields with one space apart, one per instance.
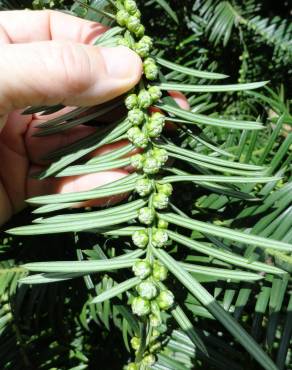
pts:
pixel 47 58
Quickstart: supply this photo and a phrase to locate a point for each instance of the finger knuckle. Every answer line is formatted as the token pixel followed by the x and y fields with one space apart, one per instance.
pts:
pixel 75 67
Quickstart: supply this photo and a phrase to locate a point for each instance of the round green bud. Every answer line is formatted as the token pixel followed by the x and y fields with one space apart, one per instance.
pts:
pixel 160 155
pixel 155 124
pixel 166 189
pixel 144 187
pixel 162 224
pixel 155 309
pixel 131 366
pixel 155 347
pixel 154 130
pixel 158 118
pixel 149 61
pixel 131 101
pixel 135 343
pixel 122 17
pixel 159 272
pixel 130 6
pixel 146 215
pixel 137 14
pixel 155 334
pixel 151 165
pixel 147 40
pixel 144 99
pixel 133 132
pixel 142 269
pixel 121 41
pixel 136 116
pixel 133 24
pixel 147 289
pixel 142 50
pixel 151 71
pixel 160 201
pixel 137 161
pixel 144 46
pixel 149 360
pixel 140 238
pixel 155 93
pixel 159 238
pixel 165 299
pixel 140 306
pixel 141 140
pixel 137 137
pixel 155 321
pixel 140 32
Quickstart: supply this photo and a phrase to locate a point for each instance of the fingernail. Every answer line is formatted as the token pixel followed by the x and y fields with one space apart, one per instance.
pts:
pixel 122 63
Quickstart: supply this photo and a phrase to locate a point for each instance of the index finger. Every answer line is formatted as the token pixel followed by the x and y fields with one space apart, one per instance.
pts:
pixel 21 26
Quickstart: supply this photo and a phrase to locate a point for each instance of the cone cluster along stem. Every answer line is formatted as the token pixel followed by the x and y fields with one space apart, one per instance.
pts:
pixel 146 127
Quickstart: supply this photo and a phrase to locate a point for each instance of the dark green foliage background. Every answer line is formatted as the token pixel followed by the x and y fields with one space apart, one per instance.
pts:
pixel 261 64
pixel 46 327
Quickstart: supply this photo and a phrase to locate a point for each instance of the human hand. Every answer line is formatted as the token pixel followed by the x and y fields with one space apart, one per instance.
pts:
pixel 46 58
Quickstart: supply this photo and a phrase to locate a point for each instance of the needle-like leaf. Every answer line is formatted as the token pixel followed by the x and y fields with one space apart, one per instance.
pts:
pixel 228 257
pixel 216 310
pixel 195 118
pixel 85 267
pixel 116 290
pixel 210 88
pixel 74 226
pixel 190 71
pixel 224 232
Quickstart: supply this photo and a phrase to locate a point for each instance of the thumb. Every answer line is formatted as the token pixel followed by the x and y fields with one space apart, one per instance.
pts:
pixel 53 72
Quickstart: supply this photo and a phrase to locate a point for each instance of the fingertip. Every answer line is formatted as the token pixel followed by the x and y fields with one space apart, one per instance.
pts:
pixel 112 72
pixel 123 64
